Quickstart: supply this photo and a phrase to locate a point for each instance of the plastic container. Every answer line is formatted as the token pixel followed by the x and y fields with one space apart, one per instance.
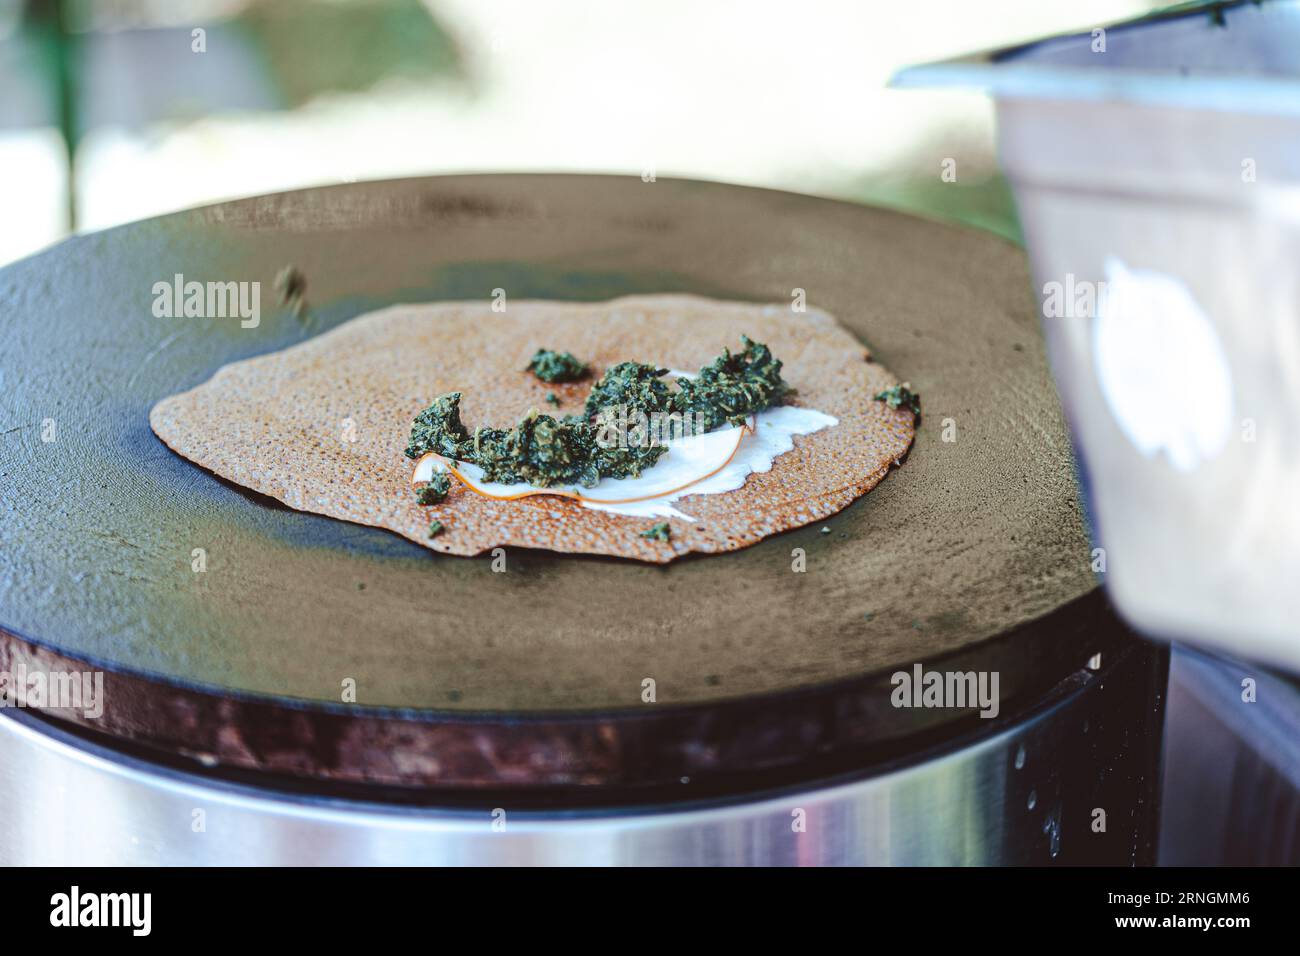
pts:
pixel 1156 169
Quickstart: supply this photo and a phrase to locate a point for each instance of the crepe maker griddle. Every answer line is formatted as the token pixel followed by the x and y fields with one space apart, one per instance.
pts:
pixel 972 556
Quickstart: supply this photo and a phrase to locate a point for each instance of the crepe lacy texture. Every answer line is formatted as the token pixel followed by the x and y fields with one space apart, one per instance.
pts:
pixel 322 426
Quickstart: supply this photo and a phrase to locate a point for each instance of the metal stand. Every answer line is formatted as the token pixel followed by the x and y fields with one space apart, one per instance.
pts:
pixel 1024 791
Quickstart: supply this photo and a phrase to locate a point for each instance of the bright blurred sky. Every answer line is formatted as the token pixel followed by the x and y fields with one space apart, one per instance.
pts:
pixel 778 94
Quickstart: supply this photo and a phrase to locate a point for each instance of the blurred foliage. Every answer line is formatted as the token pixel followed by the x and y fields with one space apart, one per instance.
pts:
pixel 126 63
pixel 313 46
pixel 986 203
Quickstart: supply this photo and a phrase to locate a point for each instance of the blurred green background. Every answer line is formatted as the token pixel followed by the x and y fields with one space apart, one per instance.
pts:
pixel 113 110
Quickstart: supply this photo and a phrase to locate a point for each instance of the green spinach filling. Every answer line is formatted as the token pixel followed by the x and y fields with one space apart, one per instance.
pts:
pixel 658 532
pixel 552 366
pixel 629 414
pixel 732 387
pixel 435 491
pixel 901 396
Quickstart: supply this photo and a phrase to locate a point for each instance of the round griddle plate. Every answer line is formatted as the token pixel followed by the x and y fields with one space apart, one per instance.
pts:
pixel 973 552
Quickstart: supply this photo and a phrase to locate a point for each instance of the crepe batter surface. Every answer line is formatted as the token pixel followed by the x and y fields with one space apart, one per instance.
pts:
pixel 322 425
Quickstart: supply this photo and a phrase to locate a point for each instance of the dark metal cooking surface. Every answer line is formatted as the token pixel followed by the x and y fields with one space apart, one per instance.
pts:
pixel 956 554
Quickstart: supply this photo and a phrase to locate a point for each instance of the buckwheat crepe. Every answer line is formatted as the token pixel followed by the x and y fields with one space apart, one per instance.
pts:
pixel 322 425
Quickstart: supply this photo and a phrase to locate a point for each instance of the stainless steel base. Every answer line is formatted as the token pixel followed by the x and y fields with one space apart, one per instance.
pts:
pixel 1231 776
pixel 1017 795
